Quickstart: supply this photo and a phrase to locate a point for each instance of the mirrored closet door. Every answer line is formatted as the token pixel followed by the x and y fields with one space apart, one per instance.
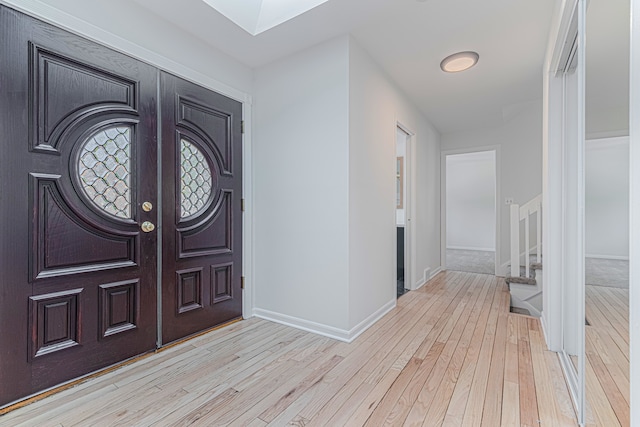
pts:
pixel 606 206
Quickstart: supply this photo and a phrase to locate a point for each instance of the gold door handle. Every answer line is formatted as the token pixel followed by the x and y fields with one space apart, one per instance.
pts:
pixel 147 206
pixel 147 227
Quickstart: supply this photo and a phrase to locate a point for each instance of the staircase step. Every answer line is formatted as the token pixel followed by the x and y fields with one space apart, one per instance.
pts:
pixel 521 280
pixel 532 269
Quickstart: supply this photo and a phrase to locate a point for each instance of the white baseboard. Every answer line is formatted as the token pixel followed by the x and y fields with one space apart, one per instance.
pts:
pixel 305 325
pixel 373 318
pixel 468 248
pixel 613 257
pixel 325 330
pixel 428 275
pixel 543 325
pixel 424 279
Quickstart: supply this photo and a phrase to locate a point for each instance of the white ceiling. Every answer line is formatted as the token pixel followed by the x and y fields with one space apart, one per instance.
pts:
pixel 408 38
pixel 333 18
pixel 411 39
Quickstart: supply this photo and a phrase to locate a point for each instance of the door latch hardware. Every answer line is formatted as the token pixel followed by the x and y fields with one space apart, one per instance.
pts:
pixel 147 227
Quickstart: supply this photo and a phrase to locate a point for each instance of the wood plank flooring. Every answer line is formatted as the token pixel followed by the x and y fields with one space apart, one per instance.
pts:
pixel 607 350
pixel 450 354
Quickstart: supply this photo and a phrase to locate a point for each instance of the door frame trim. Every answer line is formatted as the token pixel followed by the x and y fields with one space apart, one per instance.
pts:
pixel 569 26
pixel 410 229
pixel 105 38
pixel 634 203
pixel 159 202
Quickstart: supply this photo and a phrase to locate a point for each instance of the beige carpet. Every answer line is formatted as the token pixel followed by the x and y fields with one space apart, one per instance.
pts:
pixel 482 262
pixel 607 272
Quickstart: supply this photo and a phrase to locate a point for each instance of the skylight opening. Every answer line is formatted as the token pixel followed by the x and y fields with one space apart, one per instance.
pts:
pixel 257 16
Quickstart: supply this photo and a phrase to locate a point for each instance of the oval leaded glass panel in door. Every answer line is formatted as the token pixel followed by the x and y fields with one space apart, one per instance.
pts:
pixel 104 166
pixel 196 182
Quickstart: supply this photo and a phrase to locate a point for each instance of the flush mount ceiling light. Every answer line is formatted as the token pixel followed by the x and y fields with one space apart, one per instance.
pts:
pixel 256 16
pixel 459 62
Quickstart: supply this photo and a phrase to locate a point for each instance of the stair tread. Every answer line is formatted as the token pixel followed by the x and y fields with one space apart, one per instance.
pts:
pixel 532 270
pixel 533 265
pixel 521 280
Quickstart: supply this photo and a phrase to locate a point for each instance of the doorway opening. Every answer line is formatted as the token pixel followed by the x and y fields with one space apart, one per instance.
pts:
pixel 470 203
pixel 403 216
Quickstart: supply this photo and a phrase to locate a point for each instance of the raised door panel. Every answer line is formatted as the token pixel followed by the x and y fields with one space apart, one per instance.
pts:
pixel 55 322
pixel 202 218
pixel 64 90
pixel 213 236
pixel 213 125
pixel 64 243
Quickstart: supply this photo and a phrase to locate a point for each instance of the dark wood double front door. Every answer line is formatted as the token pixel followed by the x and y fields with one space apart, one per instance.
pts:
pixel 114 177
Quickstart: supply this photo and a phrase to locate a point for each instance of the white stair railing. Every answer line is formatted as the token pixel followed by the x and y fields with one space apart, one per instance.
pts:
pixel 519 214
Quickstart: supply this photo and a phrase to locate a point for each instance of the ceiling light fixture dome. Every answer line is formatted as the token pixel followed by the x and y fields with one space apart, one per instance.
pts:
pixel 459 62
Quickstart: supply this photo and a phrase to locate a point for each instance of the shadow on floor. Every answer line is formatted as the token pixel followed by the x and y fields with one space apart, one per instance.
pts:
pixel 401 289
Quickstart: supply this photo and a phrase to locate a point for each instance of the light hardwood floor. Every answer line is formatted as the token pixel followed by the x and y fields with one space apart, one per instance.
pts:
pixel 449 354
pixel 607 350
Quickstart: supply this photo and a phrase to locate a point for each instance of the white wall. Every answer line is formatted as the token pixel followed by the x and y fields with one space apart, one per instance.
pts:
pixel 471 201
pixel 607 198
pixel 325 123
pixel 606 84
pixel 520 141
pixel 301 202
pixel 127 27
pixel 376 107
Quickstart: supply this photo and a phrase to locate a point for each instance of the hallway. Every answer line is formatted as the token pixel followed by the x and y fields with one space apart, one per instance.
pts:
pixel 449 354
